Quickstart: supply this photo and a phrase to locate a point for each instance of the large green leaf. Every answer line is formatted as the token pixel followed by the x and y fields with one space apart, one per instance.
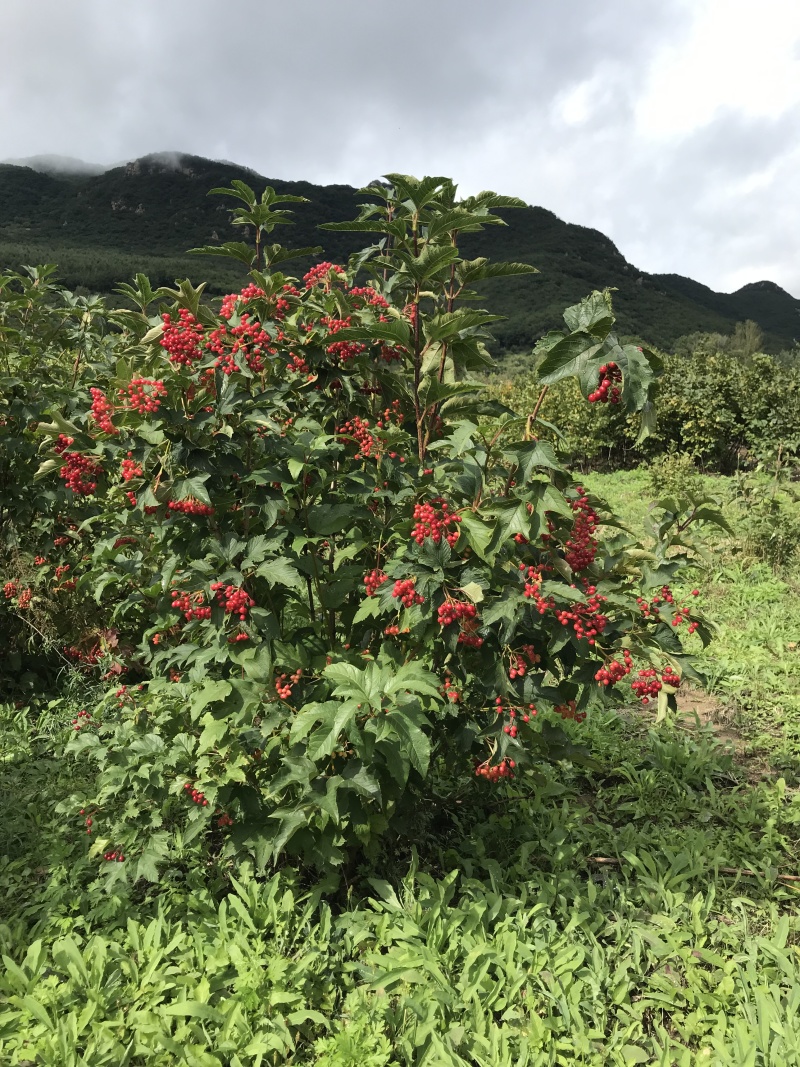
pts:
pixel 568 357
pixel 592 315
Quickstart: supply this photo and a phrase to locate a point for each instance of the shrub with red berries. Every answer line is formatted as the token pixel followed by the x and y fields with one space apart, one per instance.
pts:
pixel 329 571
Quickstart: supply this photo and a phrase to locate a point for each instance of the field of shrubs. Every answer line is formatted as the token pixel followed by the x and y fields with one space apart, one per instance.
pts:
pixel 363 703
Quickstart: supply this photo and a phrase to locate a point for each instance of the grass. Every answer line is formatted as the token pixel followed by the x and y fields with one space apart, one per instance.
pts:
pixel 631 913
pixel 753 664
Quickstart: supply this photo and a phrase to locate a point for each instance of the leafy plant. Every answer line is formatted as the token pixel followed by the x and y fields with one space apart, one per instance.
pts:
pixel 319 575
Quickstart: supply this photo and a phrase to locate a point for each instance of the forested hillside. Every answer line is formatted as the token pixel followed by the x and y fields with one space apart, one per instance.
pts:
pixel 143 216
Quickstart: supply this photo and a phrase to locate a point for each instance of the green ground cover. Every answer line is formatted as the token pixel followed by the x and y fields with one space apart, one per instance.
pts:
pixel 630 912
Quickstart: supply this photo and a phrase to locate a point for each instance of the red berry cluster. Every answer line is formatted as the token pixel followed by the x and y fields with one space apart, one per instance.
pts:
pixel 511 727
pixel 196 795
pixel 470 639
pixel 235 601
pixel 669 677
pixel 39 561
pixel 680 614
pixel 455 611
pixel 130 469
pixel 250 292
pixel 102 411
pixel 63 443
pixel 182 339
pixel 392 355
pixel 343 352
pixel 84 719
pixel 519 665
pixel 249 338
pixel 61 571
pixel 284 683
pixel 614 671
pixel 648 684
pixel 298 365
pixel 533 588
pixel 494 773
pixel 570 711
pixel 405 592
pixel 10 590
pixel 587 619
pixel 24 599
pixel 435 520
pixel 369 297
pixel 192 605
pixel 118 856
pixel 223 820
pixel 390 415
pixel 466 615
pixel 80 473
pixel 143 395
pixel 88 657
pixel 357 429
pixel 190 506
pixel 581 548
pixel 608 385
pixel 322 274
pixel 374 580
pixel 450 691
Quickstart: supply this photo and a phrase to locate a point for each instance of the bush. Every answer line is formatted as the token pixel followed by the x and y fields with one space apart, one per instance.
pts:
pixel 722 410
pixel 674 474
pixel 769 526
pixel 323 585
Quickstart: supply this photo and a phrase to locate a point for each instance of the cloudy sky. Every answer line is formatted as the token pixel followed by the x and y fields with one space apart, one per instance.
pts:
pixel 671 125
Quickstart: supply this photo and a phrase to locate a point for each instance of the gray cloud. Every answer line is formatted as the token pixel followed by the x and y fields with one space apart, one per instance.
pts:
pixel 531 98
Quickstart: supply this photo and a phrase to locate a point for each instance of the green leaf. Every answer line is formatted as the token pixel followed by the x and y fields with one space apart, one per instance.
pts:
pixel 473 591
pixel 417 747
pixel 355 776
pixel 593 315
pixel 280 571
pixel 369 608
pixel 185 488
pixel 323 741
pixel 211 693
pixel 568 358
pixel 529 456
pixel 476 269
pixel 194 1009
pixel 311 715
pixel 37 1010
pixel 155 851
pixel 290 823
pixel 478 533
pixel 213 732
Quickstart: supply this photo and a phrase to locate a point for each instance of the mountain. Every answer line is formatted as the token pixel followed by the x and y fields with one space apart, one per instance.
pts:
pixel 61 165
pixel 101 228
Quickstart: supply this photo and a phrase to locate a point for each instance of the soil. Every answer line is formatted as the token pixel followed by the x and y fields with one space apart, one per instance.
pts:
pixel 694 705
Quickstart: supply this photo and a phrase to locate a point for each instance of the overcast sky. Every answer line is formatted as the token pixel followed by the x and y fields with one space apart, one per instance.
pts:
pixel 671 125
